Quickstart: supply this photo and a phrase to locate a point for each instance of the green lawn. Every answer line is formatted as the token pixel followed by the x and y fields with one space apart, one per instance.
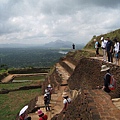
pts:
pixel 11 103
pixel 30 78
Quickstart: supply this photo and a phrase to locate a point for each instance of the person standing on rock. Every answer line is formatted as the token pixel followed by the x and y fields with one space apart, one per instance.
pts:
pixel 107 77
pixel 42 116
pixel 73 45
pixel 66 101
pixel 116 49
pixel 109 49
pixel 46 102
pixel 49 88
pixel 103 46
pixel 48 91
pixel 96 47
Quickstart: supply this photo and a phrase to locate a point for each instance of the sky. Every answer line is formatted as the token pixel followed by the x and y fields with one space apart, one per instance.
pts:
pixel 43 21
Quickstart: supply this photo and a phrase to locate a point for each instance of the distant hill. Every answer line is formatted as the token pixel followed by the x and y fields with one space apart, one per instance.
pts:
pixel 62 44
pixel 54 45
pixel 112 35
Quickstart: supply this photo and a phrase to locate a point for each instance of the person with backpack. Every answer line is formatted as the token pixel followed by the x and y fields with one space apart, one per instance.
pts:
pixel 42 116
pixel 117 51
pixel 109 81
pixel 66 101
pixel 97 46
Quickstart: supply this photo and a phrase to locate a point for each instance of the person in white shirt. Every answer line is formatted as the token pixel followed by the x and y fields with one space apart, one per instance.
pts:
pixel 66 101
pixel 103 46
pixel 116 50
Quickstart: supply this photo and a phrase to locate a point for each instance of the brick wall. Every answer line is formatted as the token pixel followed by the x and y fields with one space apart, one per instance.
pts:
pixel 90 105
pixel 87 75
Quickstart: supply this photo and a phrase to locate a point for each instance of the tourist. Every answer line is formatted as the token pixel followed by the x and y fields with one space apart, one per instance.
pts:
pixel 107 77
pixel 23 114
pixel 49 91
pixel 103 46
pixel 66 101
pixel 42 116
pixel 96 47
pixel 46 102
pixel 73 45
pixel 109 49
pixel 116 50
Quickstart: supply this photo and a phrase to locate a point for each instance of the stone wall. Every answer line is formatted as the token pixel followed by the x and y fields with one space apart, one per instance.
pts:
pixel 87 75
pixel 90 105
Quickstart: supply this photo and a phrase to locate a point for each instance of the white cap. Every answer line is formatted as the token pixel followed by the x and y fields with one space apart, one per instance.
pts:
pixel 49 85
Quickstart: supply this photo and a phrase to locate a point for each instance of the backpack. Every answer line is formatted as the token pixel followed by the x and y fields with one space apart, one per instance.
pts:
pixel 112 84
pixel 99 45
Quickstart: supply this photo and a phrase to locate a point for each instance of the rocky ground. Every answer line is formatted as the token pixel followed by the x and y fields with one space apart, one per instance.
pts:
pixel 86 76
pixel 80 79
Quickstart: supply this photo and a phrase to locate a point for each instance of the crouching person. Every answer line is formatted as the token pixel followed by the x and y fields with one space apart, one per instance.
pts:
pixel 66 101
pixel 42 116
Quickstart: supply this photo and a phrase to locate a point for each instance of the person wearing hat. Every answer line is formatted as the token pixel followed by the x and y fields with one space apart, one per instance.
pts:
pixel 41 115
pixel 107 77
pixel 46 102
pixel 103 46
pixel 23 114
pixel 49 91
pixel 116 50
pixel 66 100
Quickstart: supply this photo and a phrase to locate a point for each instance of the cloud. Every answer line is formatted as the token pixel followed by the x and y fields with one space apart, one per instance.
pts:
pixel 42 21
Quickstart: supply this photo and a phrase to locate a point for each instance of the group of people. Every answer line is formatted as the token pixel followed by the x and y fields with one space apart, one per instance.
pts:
pixel 109 49
pixel 47 98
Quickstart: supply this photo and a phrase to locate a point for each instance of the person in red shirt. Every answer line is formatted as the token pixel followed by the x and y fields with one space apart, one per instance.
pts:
pixel 42 116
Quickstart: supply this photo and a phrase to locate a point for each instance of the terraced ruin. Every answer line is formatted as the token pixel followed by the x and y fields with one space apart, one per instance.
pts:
pixel 80 78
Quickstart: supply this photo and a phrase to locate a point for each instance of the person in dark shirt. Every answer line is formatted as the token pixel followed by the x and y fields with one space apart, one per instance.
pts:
pixel 73 45
pixel 109 50
pixel 106 78
pixel 46 102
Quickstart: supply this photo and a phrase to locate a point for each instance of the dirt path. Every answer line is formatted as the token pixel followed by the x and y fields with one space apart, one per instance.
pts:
pixel 101 58
pixel 56 99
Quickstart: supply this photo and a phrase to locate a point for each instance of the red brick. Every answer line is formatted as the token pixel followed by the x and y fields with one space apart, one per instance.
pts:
pixel 110 118
pixel 104 114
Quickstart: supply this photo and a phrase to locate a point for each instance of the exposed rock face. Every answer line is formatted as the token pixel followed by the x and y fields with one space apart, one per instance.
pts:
pixel 86 106
pixel 87 75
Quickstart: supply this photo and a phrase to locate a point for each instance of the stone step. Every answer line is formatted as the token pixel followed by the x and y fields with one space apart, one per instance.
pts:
pixel 65 75
pixel 69 67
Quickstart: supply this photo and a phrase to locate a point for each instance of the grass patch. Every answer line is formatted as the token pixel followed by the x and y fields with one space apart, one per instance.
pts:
pixel 11 104
pixel 14 85
pixel 30 78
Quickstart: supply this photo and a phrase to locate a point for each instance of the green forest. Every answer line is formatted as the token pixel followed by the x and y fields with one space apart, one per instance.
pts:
pixel 29 57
